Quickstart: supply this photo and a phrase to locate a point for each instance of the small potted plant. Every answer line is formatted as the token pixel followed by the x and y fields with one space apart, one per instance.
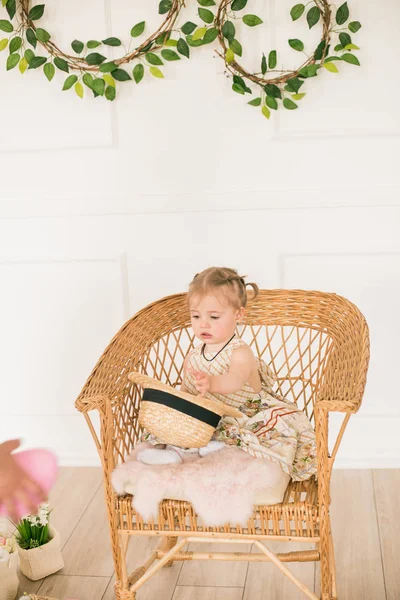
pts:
pixel 8 567
pixel 38 545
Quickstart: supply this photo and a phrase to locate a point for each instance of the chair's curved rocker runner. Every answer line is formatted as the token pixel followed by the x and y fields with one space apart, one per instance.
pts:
pixel 318 346
pixel 34 597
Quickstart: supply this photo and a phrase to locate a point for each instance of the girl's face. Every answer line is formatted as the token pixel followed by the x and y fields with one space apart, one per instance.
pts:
pixel 213 319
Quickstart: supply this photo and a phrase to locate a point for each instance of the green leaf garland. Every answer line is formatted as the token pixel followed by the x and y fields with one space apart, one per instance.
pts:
pixel 91 65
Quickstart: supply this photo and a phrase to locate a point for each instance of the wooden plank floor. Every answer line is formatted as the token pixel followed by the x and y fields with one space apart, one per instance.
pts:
pixel 366 533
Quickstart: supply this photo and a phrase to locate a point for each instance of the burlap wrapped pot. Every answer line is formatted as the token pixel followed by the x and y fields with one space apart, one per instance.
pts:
pixel 44 560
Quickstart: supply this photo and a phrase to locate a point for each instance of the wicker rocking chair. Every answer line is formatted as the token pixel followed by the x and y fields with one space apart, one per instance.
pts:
pixel 318 346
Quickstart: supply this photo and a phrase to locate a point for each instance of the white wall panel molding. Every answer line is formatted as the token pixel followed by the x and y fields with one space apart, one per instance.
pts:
pixel 67 435
pixel 302 136
pixel 370 441
pixel 283 260
pixel 39 117
pixel 372 281
pixel 270 198
pixel 119 260
pixel 58 315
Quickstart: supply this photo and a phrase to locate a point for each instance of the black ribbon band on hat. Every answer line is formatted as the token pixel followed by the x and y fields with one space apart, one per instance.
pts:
pixel 181 405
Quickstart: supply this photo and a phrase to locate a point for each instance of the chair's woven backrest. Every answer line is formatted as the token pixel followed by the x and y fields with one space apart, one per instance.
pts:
pixel 305 337
pixel 297 356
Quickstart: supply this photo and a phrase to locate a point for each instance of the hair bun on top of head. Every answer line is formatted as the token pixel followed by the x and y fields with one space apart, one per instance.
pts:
pixel 235 277
pixel 220 276
pixel 241 280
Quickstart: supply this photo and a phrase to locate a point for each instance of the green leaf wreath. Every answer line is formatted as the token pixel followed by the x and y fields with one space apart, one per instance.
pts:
pixel 277 87
pixel 88 66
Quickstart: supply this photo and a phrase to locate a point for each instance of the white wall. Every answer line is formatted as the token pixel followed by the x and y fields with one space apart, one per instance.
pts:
pixel 106 207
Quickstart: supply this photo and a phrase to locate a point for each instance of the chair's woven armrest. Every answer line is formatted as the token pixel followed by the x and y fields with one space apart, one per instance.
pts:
pixel 85 404
pixel 337 406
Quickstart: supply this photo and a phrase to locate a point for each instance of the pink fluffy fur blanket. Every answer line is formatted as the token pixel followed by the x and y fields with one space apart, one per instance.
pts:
pixel 222 486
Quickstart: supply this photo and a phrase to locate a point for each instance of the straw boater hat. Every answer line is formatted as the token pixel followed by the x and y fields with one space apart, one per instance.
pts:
pixel 176 417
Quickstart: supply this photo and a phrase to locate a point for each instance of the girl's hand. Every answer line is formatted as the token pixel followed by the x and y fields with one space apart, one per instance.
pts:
pixel 15 484
pixel 202 381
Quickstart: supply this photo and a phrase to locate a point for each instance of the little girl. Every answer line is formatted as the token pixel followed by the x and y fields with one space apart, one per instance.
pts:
pixel 223 367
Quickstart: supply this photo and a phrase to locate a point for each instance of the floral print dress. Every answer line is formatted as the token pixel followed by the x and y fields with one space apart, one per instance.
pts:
pixel 271 428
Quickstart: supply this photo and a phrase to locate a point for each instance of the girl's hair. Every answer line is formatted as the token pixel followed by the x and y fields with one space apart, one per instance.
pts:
pixel 225 280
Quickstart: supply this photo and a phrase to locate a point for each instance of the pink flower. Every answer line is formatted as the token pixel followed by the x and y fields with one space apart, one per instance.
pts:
pixel 3 541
